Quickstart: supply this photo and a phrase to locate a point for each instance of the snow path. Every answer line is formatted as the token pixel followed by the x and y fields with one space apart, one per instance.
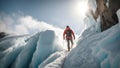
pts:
pixel 57 60
pixel 64 59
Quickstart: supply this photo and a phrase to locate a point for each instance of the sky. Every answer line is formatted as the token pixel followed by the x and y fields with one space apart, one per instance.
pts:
pixel 58 13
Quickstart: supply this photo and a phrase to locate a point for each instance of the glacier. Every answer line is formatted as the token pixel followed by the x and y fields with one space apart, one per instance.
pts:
pixel 93 49
pixel 28 51
pixel 46 49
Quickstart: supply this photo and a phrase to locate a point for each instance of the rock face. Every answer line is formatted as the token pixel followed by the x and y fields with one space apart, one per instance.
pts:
pixel 2 34
pixel 107 14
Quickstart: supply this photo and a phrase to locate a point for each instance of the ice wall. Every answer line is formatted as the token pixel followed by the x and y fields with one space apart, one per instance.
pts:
pixel 45 47
pixel 10 49
pixel 30 52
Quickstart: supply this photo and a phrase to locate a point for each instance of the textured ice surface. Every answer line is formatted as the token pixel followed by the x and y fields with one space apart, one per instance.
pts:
pixel 24 52
pixel 100 50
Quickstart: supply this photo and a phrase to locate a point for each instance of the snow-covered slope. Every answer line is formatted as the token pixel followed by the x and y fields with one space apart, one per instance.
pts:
pixel 24 52
pixel 100 50
pixel 56 60
pixel 93 50
pixel 43 50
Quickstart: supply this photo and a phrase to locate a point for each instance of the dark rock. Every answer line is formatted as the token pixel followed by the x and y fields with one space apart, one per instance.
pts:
pixel 2 34
pixel 108 15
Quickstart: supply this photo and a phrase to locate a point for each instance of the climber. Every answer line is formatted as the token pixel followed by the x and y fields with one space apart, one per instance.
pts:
pixel 68 35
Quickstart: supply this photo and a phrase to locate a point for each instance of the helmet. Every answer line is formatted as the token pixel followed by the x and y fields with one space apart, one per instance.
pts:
pixel 67 26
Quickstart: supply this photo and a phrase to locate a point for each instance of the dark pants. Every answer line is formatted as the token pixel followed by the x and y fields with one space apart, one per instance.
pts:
pixel 68 43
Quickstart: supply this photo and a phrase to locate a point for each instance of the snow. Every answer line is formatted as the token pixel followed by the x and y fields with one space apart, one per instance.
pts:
pixel 118 14
pixel 9 50
pixel 99 50
pixel 56 58
pixel 45 47
pixel 24 52
pixel 43 50
pixel 94 49
pixel 25 56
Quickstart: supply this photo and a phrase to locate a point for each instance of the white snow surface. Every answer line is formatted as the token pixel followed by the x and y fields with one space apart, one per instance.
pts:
pixel 100 50
pixel 95 50
pixel 43 50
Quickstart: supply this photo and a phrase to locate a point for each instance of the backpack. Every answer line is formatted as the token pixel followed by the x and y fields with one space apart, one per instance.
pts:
pixel 68 33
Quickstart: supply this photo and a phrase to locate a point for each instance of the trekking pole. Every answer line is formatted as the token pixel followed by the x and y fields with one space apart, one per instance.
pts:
pixel 63 42
pixel 73 44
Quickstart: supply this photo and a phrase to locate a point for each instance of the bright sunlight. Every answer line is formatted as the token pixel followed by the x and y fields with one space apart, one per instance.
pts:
pixel 81 8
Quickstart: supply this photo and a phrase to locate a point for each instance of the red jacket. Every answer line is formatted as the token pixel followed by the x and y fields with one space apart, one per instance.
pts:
pixel 64 34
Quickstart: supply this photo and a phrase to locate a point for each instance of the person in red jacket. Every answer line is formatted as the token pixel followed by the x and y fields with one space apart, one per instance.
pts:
pixel 68 35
